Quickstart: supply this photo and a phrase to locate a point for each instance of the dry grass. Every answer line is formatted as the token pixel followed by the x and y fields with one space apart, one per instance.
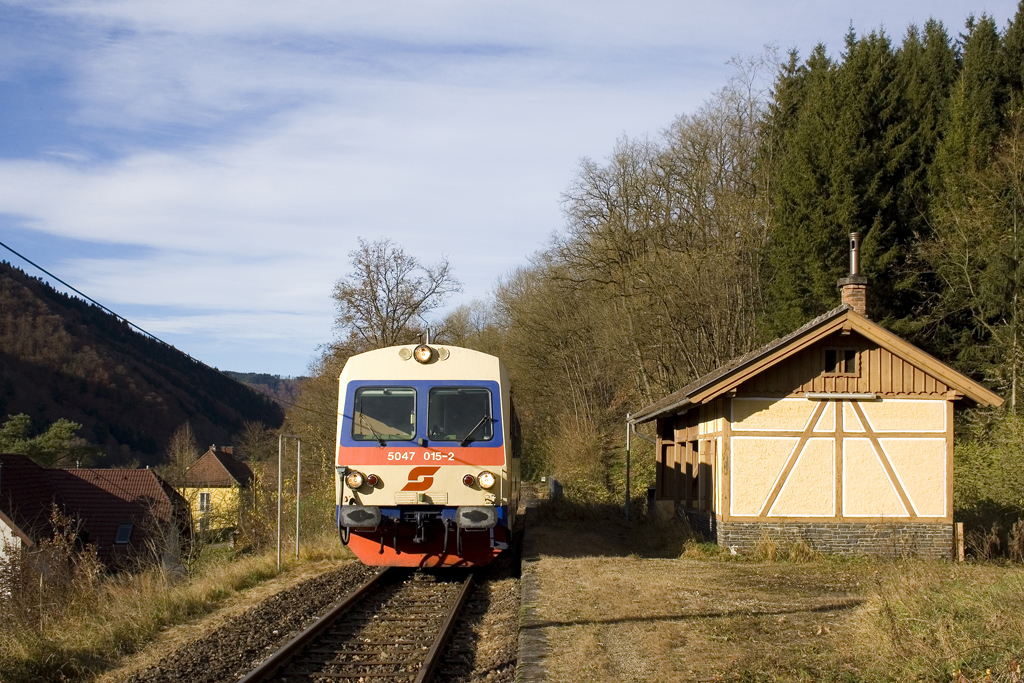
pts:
pixel 634 619
pixel 130 611
pixel 173 638
pixel 612 615
pixel 941 621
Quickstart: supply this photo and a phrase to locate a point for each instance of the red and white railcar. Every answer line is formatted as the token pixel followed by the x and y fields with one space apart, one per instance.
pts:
pixel 428 454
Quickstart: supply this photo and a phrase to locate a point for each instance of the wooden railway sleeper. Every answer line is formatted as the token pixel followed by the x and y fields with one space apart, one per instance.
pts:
pixel 282 656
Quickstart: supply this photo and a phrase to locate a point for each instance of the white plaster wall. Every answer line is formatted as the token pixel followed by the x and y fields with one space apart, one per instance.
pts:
pixel 904 438
pixel 9 542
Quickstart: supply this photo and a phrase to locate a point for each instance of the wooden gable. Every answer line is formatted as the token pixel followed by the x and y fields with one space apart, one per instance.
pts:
pixel 876 370
pixel 887 362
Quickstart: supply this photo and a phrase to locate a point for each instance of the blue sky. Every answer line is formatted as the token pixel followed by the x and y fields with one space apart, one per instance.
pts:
pixel 205 168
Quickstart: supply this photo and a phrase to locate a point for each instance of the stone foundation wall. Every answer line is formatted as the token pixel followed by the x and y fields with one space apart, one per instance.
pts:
pixel 703 523
pixel 892 539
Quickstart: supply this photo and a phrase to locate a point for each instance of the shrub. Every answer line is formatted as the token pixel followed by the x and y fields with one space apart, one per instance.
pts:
pixel 48 584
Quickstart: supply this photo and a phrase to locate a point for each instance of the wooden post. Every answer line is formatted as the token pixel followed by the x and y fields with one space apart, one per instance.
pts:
pixel 959 541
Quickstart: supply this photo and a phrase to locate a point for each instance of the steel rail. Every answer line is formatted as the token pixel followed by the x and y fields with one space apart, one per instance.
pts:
pixel 269 667
pixel 434 654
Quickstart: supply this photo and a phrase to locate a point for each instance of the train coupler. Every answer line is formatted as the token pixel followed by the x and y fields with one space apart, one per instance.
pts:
pixel 421 530
pixel 496 544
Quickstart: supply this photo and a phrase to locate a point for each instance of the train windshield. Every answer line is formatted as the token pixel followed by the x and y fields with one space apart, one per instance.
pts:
pixel 459 414
pixel 384 413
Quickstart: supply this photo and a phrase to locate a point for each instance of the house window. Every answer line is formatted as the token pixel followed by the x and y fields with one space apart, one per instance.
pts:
pixel 204 502
pixel 124 533
pixel 841 362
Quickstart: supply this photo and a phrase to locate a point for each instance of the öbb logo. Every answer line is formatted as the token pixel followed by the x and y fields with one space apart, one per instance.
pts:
pixel 421 478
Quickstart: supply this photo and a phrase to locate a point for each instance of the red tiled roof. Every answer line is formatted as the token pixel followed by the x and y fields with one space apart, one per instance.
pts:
pixel 105 499
pixel 101 499
pixel 27 496
pixel 218 469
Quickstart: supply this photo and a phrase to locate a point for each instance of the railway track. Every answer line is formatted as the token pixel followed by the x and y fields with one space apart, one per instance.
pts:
pixel 393 628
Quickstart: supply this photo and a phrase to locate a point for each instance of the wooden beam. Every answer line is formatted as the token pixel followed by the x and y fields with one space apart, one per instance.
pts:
pixel 889 471
pixel 793 457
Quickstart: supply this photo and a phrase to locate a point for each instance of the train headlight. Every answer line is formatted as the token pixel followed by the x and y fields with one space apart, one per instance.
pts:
pixel 423 353
pixel 486 479
pixel 469 480
pixel 354 479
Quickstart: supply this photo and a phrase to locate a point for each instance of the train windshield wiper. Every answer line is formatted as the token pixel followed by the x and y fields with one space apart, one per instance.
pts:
pixel 469 437
pixel 364 421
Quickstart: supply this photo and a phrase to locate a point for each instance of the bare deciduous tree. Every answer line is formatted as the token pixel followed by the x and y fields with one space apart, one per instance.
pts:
pixel 182 453
pixel 386 291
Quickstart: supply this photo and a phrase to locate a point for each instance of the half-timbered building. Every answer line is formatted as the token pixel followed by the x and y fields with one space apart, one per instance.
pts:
pixel 839 434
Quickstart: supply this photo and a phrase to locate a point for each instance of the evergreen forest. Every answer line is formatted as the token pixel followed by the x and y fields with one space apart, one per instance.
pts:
pixel 729 228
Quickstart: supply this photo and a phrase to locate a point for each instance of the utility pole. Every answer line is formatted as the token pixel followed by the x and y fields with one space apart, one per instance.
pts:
pixel 627 466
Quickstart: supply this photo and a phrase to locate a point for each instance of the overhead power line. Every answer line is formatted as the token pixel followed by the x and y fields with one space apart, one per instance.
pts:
pixel 90 299
pixel 145 332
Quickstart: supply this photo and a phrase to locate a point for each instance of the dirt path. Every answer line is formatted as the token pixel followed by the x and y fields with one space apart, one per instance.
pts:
pixel 609 617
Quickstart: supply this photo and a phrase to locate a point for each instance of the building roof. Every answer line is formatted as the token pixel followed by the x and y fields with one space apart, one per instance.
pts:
pixel 739 370
pixel 27 496
pixel 218 469
pixel 102 499
pixel 105 499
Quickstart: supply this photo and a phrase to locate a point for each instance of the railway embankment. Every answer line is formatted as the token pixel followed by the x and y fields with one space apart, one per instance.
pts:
pixel 228 645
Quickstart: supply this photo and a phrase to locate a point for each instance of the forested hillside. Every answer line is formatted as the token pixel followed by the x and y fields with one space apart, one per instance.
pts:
pixel 275 386
pixel 686 249
pixel 61 357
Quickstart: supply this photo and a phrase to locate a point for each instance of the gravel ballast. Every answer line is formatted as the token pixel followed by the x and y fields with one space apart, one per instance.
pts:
pixel 484 641
pixel 231 651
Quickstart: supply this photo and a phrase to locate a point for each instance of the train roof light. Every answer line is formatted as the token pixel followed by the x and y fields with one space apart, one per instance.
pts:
pixel 423 354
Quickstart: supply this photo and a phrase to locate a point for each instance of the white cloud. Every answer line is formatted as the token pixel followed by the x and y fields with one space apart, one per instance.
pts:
pixel 246 145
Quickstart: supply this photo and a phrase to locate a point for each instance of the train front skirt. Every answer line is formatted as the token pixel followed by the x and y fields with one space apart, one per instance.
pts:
pixel 424 536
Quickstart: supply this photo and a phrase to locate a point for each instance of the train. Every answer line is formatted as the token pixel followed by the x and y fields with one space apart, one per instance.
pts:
pixel 429 447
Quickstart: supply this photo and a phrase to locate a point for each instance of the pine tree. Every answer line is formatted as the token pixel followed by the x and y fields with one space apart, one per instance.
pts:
pixel 976 105
pixel 850 160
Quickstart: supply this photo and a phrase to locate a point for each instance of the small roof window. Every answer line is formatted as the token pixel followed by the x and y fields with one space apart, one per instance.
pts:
pixel 124 533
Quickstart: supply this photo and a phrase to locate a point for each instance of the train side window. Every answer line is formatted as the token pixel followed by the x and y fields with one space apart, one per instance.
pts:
pixel 458 413
pixel 387 413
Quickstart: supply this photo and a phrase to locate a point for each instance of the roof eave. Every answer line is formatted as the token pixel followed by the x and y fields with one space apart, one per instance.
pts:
pixel 672 409
pixel 757 364
pixel 844 318
pixel 18 531
pixel 955 379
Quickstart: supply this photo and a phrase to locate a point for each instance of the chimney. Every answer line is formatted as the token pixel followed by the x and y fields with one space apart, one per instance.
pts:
pixel 854 288
pixel 230 450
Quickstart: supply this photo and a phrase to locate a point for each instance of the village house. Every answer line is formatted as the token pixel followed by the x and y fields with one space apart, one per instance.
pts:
pixel 132 517
pixel 216 487
pixel 839 435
